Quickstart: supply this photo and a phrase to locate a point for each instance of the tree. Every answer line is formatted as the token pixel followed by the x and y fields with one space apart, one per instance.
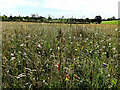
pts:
pixel 20 18
pixel 62 18
pixel 10 18
pixel 98 19
pixel 15 18
pixel 27 18
pixel 33 17
pixel 3 18
pixel 49 18
pixel 88 20
pixel 112 18
pixel 41 18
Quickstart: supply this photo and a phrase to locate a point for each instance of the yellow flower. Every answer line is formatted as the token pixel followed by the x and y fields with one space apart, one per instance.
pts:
pixel 66 79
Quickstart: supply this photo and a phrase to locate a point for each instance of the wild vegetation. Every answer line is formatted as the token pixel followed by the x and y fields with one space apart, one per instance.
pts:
pixel 38 55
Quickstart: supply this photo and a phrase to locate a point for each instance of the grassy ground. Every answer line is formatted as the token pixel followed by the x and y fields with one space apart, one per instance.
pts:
pixel 114 22
pixel 39 55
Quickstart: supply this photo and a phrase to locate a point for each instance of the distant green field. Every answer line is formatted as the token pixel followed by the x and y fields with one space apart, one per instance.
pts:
pixel 114 22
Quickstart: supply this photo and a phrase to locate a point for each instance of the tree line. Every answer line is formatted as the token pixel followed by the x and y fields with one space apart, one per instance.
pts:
pixel 41 19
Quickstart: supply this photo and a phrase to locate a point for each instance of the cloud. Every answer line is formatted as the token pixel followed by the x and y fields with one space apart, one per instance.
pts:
pixel 13 6
pixel 63 4
pixel 15 3
pixel 73 7
pixel 68 5
pixel 79 4
pixel 85 7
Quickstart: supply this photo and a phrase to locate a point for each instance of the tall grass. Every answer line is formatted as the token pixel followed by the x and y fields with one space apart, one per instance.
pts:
pixel 87 56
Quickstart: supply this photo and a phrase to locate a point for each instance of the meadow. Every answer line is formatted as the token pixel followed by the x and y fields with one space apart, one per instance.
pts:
pixel 114 22
pixel 39 55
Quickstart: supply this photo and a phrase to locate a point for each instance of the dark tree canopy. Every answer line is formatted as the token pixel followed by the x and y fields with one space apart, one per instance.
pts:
pixel 98 19
pixel 49 17
pixel 40 19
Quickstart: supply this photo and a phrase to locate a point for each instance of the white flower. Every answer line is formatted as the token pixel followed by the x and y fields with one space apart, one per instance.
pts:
pixel 102 40
pixel 58 48
pixel 24 53
pixel 43 80
pixel 95 52
pixel 110 86
pixel 22 45
pixel 12 54
pixel 39 46
pixel 105 53
pixel 91 51
pixel 97 46
pixel 13 58
pixel 19 52
pixel 113 49
pixel 108 75
pixel 105 64
pixel 86 38
pixel 69 37
pixel 28 36
pixel 109 44
pixel 75 49
pixel 48 77
pixel 18 61
pixel 109 39
pixel 56 66
pixel 100 49
pixel 80 35
pixel 8 71
pixel 103 46
pixel 26 41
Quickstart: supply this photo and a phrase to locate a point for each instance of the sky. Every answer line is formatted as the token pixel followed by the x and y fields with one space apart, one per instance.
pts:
pixel 59 8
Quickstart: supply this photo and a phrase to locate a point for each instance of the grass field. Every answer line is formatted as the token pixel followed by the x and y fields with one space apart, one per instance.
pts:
pixel 114 22
pixel 38 55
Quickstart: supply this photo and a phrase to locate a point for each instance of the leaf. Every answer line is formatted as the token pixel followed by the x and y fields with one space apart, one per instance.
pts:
pixel 76 76
pixel 72 64
pixel 82 47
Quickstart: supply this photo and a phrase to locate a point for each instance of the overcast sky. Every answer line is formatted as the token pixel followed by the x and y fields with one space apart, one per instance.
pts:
pixel 59 8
